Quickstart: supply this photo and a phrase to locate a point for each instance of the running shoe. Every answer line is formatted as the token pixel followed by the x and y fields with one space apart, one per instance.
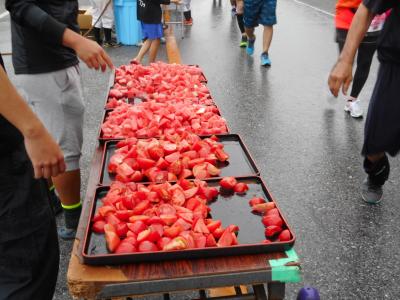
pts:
pixel 243 42
pixel 111 44
pixel 188 22
pixel 371 193
pixel 66 233
pixel 250 46
pixel 354 108
pixel 233 11
pixel 265 61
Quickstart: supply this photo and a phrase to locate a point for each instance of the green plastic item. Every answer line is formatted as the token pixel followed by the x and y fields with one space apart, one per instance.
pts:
pixel 283 273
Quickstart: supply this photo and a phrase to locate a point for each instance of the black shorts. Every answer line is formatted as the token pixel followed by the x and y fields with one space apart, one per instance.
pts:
pixel 382 127
pixel 29 252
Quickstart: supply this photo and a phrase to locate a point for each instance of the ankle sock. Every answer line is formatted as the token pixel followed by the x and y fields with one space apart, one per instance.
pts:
pixel 72 214
pixel 378 172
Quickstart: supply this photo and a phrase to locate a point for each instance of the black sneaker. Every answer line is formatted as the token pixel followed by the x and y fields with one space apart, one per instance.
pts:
pixel 371 193
pixel 111 44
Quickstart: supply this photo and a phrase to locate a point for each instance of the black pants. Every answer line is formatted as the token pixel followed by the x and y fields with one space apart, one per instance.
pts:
pixel 365 55
pixel 29 251
pixel 382 126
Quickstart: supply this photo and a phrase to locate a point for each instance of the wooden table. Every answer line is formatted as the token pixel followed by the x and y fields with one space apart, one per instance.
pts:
pixel 104 282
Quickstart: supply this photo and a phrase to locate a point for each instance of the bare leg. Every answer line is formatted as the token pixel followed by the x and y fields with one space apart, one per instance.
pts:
pixel 267 38
pixel 155 44
pixel 143 50
pixel 250 33
pixel 68 186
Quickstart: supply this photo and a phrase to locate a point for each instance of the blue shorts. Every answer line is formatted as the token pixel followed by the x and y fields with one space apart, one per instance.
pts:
pixel 152 31
pixel 259 12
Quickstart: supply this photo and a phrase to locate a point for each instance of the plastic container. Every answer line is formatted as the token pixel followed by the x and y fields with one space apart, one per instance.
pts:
pixel 126 24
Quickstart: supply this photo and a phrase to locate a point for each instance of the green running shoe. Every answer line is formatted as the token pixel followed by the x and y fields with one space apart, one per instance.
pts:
pixel 243 42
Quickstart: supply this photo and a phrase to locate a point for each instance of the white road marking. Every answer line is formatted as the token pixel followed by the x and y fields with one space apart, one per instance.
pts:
pixel 4 14
pixel 315 8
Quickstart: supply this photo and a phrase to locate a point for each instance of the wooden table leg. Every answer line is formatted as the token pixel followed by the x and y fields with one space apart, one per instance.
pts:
pixel 276 291
pixel 259 292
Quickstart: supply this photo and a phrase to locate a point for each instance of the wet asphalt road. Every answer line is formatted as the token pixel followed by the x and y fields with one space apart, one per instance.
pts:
pixel 306 147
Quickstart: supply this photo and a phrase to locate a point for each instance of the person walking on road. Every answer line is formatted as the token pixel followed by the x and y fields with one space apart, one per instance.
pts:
pixel 29 252
pixel 46 46
pixel 150 15
pixel 260 12
pixel 239 17
pixel 382 127
pixel 345 10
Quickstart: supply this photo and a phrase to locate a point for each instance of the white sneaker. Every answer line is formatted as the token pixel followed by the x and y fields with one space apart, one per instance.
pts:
pixel 354 108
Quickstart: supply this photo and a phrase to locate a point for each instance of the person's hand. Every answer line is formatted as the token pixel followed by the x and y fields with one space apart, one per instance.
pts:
pixel 340 76
pixel 87 50
pixel 93 55
pixel 46 156
pixel 176 1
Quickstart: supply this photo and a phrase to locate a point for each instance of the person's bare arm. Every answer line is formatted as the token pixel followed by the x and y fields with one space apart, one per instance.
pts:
pixel 341 74
pixel 46 156
pixel 89 51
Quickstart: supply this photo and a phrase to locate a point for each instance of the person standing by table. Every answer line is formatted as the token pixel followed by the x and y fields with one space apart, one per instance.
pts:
pixel 345 11
pixel 260 12
pixel 150 15
pixel 382 127
pixel 29 252
pixel 105 21
pixel 46 46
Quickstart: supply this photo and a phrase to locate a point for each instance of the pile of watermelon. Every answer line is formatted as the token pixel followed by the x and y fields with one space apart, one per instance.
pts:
pixel 153 119
pixel 169 158
pixel 161 144
pixel 139 218
pixel 160 82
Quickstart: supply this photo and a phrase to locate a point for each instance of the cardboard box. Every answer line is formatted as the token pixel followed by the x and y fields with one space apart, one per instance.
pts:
pixel 85 18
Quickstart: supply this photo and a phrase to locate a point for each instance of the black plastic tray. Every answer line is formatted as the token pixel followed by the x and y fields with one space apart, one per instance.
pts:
pixel 230 209
pixel 240 164
pixel 102 139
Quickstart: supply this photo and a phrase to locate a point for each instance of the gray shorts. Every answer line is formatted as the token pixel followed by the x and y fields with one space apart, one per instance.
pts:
pixel 57 99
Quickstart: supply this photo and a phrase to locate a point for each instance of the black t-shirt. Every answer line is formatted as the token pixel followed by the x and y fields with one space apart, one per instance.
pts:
pixel 389 39
pixel 10 137
pixel 149 11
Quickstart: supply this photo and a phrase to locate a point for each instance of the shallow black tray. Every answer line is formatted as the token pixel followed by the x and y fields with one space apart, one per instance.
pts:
pixel 230 209
pixel 240 163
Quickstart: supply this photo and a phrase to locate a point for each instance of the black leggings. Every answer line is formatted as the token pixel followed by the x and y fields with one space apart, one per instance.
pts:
pixel 364 60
